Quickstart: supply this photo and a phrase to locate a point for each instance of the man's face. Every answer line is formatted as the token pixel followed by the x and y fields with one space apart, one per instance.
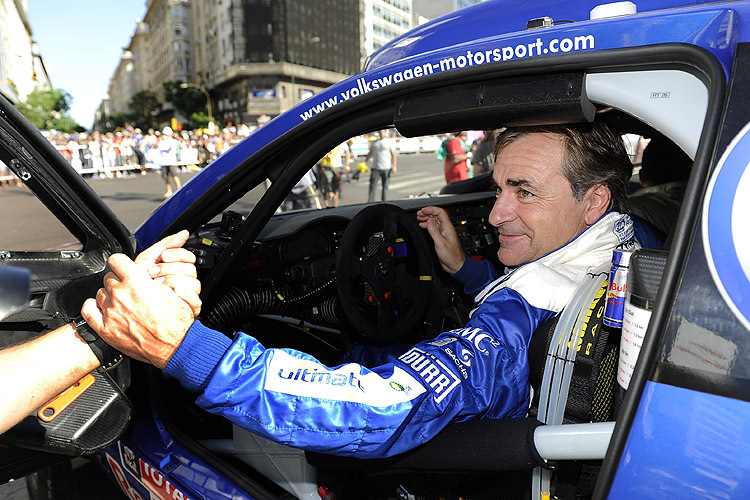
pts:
pixel 535 211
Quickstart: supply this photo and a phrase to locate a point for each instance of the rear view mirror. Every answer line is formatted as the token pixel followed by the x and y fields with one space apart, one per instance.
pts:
pixel 15 283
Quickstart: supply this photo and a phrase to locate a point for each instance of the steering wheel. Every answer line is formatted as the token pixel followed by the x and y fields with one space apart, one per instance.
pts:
pixel 384 272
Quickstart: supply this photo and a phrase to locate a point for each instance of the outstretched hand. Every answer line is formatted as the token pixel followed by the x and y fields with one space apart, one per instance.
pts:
pixel 168 263
pixel 146 306
pixel 447 247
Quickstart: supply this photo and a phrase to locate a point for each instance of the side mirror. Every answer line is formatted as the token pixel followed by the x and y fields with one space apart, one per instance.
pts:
pixel 15 283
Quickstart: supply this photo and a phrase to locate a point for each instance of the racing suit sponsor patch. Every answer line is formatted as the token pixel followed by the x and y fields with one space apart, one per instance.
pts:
pixel 623 228
pixel 305 377
pixel 433 372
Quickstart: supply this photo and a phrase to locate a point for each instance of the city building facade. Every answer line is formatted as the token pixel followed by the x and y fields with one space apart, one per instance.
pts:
pixel 21 66
pixel 275 53
pixel 430 9
pixel 256 58
pixel 385 20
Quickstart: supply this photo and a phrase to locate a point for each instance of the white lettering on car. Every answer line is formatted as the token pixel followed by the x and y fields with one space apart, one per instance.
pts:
pixel 470 58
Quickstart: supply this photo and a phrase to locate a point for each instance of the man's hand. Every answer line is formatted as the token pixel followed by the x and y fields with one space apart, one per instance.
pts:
pixel 174 266
pixel 134 314
pixel 444 236
pixel 146 306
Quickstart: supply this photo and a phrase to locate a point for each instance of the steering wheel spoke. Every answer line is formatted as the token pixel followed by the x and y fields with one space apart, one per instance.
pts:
pixel 390 228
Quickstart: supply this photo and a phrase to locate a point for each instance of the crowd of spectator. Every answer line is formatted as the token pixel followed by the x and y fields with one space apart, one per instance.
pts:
pixel 130 150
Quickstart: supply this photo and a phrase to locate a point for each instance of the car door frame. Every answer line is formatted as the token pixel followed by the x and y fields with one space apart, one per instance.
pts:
pixel 60 278
pixel 724 120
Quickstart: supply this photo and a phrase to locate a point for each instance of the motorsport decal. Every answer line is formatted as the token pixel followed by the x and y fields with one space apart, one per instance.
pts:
pixel 538 47
pixel 726 240
pixel 460 362
pixel 349 382
pixel 462 356
pixel 159 488
pixel 432 371
pixel 624 229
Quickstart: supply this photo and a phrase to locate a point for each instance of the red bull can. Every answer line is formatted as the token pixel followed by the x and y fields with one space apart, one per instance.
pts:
pixel 618 285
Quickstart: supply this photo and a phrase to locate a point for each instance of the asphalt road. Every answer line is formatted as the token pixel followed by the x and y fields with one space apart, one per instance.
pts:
pixel 26 225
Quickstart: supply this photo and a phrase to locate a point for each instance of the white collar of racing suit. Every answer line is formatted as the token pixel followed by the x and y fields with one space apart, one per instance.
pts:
pixel 549 282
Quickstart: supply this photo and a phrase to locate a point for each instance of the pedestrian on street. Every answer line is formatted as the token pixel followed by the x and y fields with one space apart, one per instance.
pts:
pixel 456 159
pixel 168 147
pixel 382 159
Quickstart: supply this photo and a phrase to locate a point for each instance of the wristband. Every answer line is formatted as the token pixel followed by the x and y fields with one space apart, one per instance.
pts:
pixel 108 356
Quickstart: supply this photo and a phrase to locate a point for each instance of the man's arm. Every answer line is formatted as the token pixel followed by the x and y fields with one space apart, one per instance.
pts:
pixel 473 275
pixel 291 398
pixel 33 373
pixel 448 249
pixel 394 160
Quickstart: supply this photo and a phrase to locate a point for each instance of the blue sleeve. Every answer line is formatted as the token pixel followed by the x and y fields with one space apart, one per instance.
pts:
pixel 200 351
pixel 474 276
pixel 480 371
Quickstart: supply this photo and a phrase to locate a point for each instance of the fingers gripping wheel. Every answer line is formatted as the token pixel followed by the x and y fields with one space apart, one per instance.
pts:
pixel 384 272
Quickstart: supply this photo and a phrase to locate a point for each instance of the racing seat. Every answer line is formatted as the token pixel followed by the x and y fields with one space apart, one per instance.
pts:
pixel 572 363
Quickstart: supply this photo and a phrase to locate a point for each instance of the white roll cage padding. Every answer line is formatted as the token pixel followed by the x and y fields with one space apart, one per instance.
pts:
pixel 674 102
pixel 554 442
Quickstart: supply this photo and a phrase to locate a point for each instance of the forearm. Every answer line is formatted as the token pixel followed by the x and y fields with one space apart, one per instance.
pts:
pixel 291 398
pixel 33 373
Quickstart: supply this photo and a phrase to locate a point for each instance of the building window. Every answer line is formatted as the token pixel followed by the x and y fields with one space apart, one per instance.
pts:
pixel 179 12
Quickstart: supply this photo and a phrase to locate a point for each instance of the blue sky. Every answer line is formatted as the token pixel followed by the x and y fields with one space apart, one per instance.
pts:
pixel 81 43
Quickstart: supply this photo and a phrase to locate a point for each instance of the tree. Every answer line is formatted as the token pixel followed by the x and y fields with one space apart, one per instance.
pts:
pixel 187 101
pixel 199 119
pixel 144 107
pixel 47 109
pixel 110 123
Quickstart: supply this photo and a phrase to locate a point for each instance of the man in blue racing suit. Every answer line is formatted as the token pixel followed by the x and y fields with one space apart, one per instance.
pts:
pixel 560 194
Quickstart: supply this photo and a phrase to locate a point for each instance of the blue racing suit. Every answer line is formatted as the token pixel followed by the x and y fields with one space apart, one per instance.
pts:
pixel 479 371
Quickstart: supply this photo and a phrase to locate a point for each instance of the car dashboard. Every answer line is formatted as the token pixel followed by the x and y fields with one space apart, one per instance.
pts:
pixel 307 272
